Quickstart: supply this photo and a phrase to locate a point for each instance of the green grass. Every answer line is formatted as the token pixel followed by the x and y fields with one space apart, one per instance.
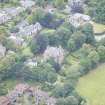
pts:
pixel 98 28
pixel 9 84
pixel 47 31
pixel 92 86
pixel 27 52
pixel 11 3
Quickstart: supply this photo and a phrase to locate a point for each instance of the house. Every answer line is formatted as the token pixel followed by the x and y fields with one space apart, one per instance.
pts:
pixel 13 96
pixel 79 2
pixel 51 101
pixel 22 24
pixel 27 3
pixel 4 100
pixel 57 53
pixel 2 51
pixel 78 19
pixel 8 13
pixel 3 17
pixel 14 11
pixel 41 95
pixel 21 88
pixel 30 30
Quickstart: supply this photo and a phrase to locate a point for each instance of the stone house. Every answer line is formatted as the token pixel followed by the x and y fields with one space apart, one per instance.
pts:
pixel 57 53
pixel 30 30
pixel 13 96
pixel 51 101
pixel 27 3
pixel 79 2
pixel 13 11
pixel 41 95
pixel 78 19
pixel 4 100
pixel 21 88
pixel 8 13
pixel 21 25
pixel 4 17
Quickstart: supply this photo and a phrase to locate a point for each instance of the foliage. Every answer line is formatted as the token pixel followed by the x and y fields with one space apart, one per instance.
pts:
pixel 97 10
pixel 39 44
pixel 48 21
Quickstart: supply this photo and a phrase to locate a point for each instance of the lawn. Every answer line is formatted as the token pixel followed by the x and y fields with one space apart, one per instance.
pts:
pixel 98 28
pixel 11 3
pixel 92 86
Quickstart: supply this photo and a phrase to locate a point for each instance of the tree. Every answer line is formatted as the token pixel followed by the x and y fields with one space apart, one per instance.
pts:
pixel 86 65
pixel 34 47
pixel 40 2
pixel 7 66
pixel 61 101
pixel 79 38
pixel 59 3
pixel 101 52
pixel 14 30
pixel 63 35
pixel 3 90
pixel 87 29
pixel 86 49
pixel 98 10
pixel 55 65
pixel 53 40
pixel 37 15
pixel 71 100
pixel 46 20
pixel 10 45
pixel 49 21
pixel 71 45
pixel 76 41
pixel 39 44
pixel 102 42
pixel 94 57
pixel 52 77
pixel 63 90
pixel 59 91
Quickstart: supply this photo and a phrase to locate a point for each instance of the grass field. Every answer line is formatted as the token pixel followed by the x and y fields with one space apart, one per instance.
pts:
pixel 92 86
pixel 98 28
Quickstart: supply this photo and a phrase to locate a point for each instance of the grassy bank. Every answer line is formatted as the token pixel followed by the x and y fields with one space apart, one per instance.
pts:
pixel 92 86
